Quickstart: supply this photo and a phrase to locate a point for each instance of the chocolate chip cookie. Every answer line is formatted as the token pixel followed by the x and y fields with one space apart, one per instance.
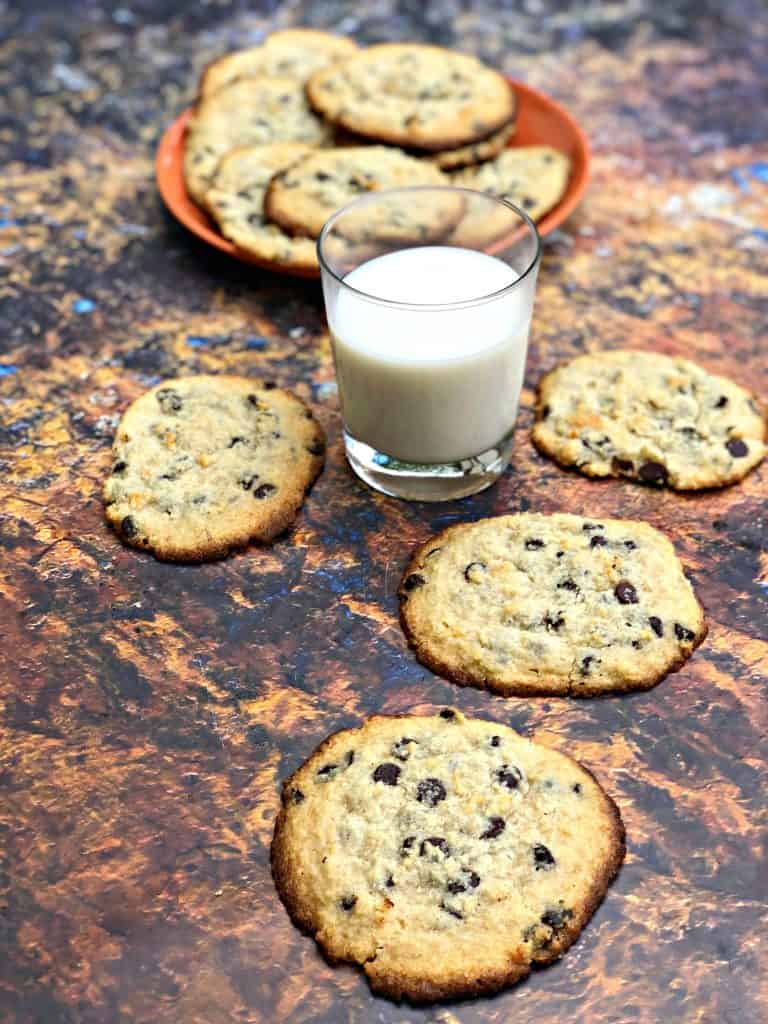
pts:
pixel 532 177
pixel 550 604
pixel 303 197
pixel 444 855
pixel 415 96
pixel 294 53
pixel 236 201
pixel 204 464
pixel 247 112
pixel 656 419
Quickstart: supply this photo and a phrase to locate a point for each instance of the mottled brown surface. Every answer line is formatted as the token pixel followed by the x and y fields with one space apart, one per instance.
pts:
pixel 149 711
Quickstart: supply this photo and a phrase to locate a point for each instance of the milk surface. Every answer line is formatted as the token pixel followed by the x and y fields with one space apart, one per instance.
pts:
pixel 427 385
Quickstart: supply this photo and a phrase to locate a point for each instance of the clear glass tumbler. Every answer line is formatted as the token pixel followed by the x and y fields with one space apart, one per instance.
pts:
pixel 429 294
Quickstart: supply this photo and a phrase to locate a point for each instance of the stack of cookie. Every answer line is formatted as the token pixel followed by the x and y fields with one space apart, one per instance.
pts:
pixel 286 133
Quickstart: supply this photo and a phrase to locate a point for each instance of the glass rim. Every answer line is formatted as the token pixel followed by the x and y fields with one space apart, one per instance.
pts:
pixel 431 306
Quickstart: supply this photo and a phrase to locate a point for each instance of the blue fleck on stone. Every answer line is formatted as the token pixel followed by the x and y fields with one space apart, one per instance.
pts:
pixel 759 170
pixel 7 369
pixel 83 305
pixel 197 342
pixel 256 342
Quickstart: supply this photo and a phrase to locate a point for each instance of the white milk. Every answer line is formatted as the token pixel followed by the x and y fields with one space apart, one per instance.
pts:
pixel 426 385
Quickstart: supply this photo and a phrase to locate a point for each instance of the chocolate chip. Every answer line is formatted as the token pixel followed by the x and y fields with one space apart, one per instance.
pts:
pixel 447 714
pixel 532 543
pixel 327 771
pixel 430 792
pixel 264 491
pixel 555 918
pixel 437 841
pixel 553 624
pixel 390 882
pixel 400 748
pixel 350 756
pixel 495 741
pixel 120 466
pixel 316 448
pixel 622 465
pixel 495 827
pixel 509 776
pixel 348 902
pixel 586 662
pixel 683 634
pixel 721 402
pixel 528 203
pixel 542 858
pixel 545 411
pixel 237 440
pixel 297 796
pixel 413 581
pixel 456 887
pixel 387 773
pixel 169 400
pixel 656 625
pixel 473 566
pixel 128 527
pixel 597 541
pixel 625 592
pixel 653 473
pixel 253 400
pixel 474 878
pixel 451 911
pixel 246 482
pixel 630 545
pixel 589 527
pixel 407 845
pixel 576 787
pixel 322 176
pixel 559 554
pixel 636 644
pixel 568 585
pixel 199 499
pixel 737 448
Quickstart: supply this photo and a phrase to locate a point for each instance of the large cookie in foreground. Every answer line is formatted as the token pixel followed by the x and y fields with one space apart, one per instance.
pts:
pixel 415 96
pixel 293 53
pixel 247 112
pixel 204 464
pixel 650 417
pixel 444 855
pixel 537 604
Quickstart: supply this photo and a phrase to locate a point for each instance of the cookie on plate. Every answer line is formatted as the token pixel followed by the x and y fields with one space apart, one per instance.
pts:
pixel 653 418
pixel 477 153
pixel 550 604
pixel 303 197
pixel 444 855
pixel 532 177
pixel 247 112
pixel 415 96
pixel 294 53
pixel 236 202
pixel 204 464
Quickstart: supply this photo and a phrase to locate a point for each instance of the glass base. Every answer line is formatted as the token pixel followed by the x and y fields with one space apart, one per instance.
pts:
pixel 433 481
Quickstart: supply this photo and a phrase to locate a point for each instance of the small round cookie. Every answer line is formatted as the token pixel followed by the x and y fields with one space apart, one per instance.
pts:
pixel 303 197
pixel 532 177
pixel 477 153
pixel 204 464
pixel 294 53
pixel 444 855
pixel 550 604
pixel 415 96
pixel 247 112
pixel 236 202
pixel 653 418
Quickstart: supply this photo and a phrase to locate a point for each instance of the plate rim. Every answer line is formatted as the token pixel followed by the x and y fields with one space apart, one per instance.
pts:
pixel 170 179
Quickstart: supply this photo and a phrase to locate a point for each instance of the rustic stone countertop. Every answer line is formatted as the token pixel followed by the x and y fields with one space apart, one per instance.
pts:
pixel 150 711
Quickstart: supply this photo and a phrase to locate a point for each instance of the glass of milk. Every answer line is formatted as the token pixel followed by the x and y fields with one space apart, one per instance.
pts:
pixel 429 295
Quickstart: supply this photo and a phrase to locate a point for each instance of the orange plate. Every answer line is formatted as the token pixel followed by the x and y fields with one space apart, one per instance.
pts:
pixel 540 121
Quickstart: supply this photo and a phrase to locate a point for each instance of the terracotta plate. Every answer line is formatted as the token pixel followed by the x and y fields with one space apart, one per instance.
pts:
pixel 540 121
